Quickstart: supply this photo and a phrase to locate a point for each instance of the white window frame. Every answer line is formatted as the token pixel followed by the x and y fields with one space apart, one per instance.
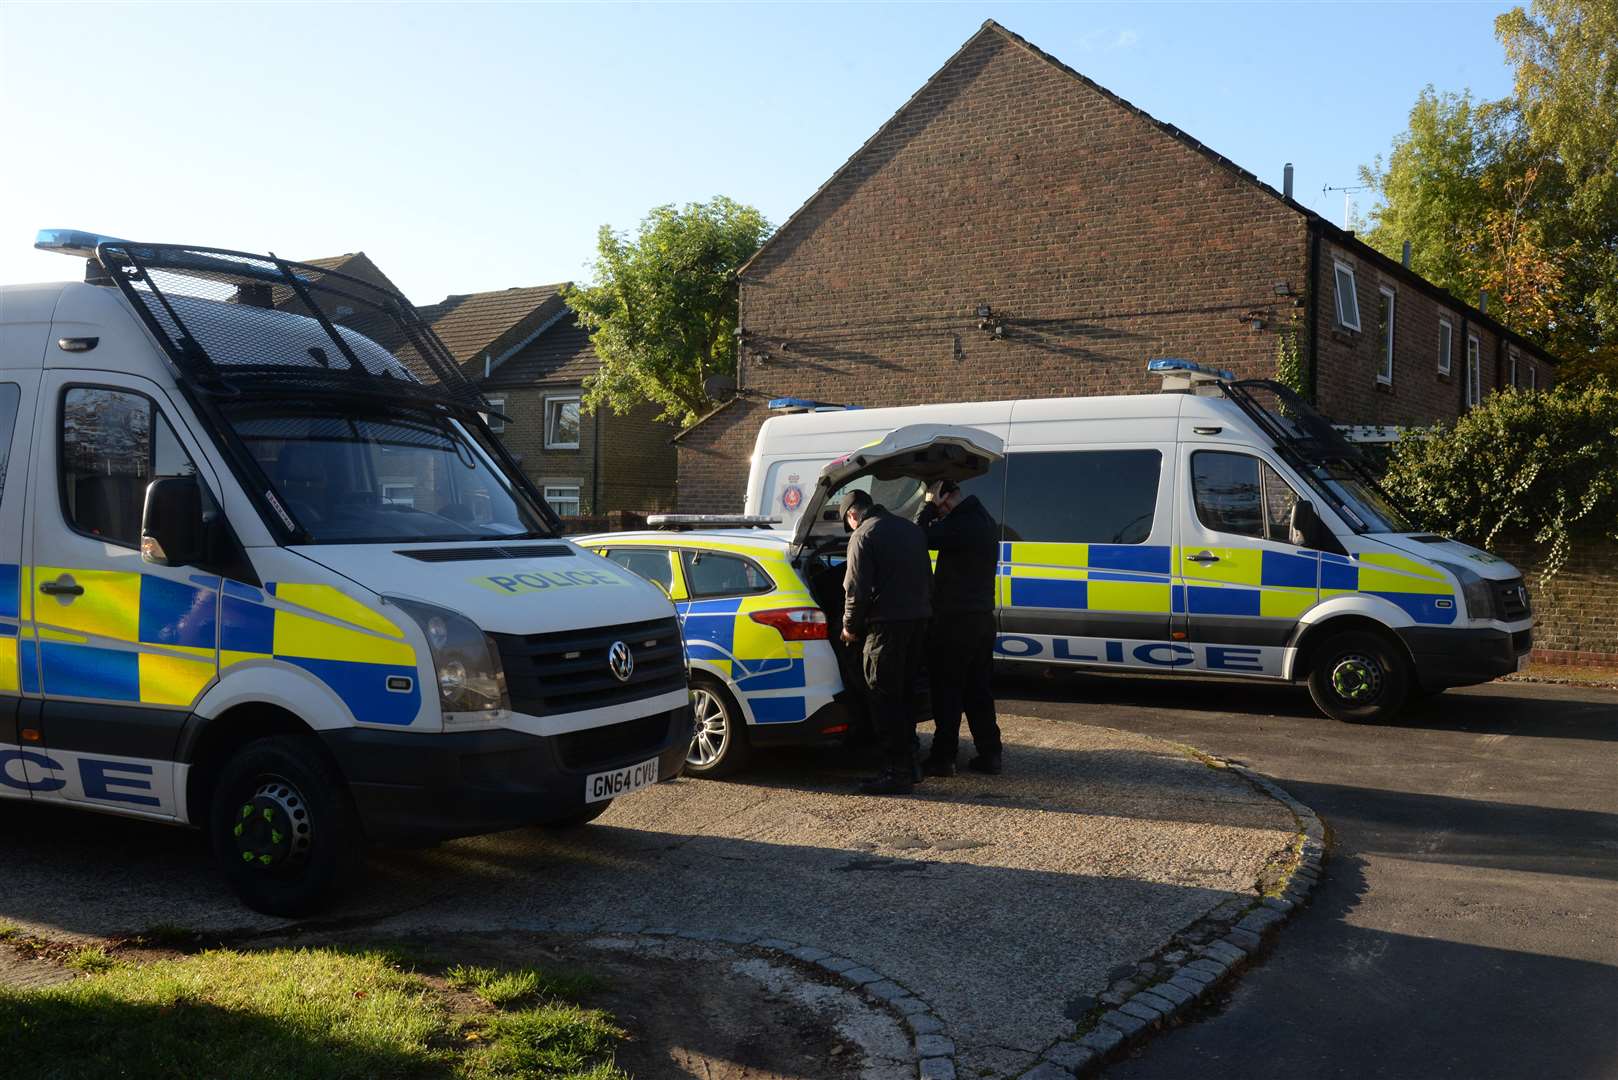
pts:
pixel 496 425
pixel 559 487
pixel 1446 344
pixel 1511 367
pixel 1338 270
pixel 1474 371
pixel 1533 377
pixel 561 399
pixel 1384 374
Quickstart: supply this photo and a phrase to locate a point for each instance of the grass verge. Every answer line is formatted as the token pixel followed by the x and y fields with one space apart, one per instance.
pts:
pixel 323 1014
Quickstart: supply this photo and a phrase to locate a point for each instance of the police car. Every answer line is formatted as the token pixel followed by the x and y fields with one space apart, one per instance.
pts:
pixel 1220 527
pixel 760 606
pixel 264 570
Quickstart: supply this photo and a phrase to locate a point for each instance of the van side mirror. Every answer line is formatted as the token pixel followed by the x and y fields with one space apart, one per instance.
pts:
pixel 171 529
pixel 1309 531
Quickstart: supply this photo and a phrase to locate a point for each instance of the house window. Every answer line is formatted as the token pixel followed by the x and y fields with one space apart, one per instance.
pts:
pixel 1511 368
pixel 1445 334
pixel 564 499
pixel 496 425
pixel 1348 304
pixel 562 423
pixel 1385 313
pixel 1474 373
pixel 1533 377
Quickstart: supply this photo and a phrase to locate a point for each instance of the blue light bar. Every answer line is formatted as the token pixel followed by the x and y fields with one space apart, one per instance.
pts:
pixel 1170 364
pixel 795 404
pixel 72 242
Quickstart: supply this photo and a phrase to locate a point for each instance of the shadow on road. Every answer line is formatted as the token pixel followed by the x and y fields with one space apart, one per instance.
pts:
pixel 1334 999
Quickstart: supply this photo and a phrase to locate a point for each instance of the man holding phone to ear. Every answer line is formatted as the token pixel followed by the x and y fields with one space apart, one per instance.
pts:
pixel 960 641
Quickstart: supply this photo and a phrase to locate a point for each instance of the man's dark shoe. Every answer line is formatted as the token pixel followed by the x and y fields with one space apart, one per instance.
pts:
pixel 937 768
pixel 888 783
pixel 988 764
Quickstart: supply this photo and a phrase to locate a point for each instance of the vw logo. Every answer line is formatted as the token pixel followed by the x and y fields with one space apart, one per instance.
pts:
pixel 621 661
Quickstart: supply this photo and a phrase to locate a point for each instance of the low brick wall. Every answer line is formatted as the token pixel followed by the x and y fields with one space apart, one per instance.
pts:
pixel 1576 614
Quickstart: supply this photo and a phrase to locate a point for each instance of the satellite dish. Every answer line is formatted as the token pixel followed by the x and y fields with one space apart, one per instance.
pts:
pixel 719 387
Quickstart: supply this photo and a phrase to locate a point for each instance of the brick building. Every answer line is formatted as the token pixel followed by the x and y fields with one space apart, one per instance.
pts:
pixel 531 358
pixel 1016 230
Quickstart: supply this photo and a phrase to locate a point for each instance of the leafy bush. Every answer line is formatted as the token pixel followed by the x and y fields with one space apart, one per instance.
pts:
pixel 1537 464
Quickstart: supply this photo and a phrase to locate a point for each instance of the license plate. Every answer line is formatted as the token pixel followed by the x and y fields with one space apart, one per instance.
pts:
pixel 610 785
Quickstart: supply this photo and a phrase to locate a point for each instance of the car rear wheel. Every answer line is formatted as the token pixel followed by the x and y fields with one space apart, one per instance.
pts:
pixel 283 828
pixel 1359 678
pixel 719 744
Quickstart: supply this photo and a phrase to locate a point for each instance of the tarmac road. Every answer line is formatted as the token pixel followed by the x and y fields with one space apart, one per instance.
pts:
pixel 1468 921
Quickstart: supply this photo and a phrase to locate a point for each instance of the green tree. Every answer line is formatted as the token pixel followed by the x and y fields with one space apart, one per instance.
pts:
pixel 662 310
pixel 1519 197
pixel 1540 465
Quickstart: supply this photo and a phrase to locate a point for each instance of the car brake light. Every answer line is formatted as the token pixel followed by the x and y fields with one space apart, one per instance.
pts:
pixel 795 624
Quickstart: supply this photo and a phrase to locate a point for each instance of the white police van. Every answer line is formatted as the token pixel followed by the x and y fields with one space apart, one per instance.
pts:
pixel 264 570
pixel 1221 527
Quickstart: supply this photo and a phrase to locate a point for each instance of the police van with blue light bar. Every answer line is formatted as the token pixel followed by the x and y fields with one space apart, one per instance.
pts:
pixel 1221 527
pixel 265 570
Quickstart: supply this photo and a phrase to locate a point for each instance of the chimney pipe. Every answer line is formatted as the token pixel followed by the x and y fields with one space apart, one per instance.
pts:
pixel 1286 180
pixel 1483 301
pixel 1406 259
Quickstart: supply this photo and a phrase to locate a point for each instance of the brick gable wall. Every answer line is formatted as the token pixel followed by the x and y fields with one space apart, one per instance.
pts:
pixel 1101 240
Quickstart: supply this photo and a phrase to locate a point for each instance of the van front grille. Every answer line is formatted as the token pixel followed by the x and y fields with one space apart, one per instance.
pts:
pixel 567 671
pixel 632 739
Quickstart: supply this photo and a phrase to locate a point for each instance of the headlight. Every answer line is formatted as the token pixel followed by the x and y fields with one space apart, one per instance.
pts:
pixel 1479 598
pixel 471 682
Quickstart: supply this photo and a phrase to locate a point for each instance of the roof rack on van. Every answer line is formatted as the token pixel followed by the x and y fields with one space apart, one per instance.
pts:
pixel 231 321
pixel 1188 376
pixel 681 522
pixel 798 404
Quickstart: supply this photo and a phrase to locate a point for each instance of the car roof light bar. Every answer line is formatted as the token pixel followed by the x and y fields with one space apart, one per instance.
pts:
pixel 74 242
pixel 1168 364
pixel 680 522
pixel 798 404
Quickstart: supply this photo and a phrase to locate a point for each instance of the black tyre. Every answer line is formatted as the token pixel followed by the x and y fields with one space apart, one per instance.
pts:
pixel 719 745
pixel 283 827
pixel 1359 677
pixel 582 817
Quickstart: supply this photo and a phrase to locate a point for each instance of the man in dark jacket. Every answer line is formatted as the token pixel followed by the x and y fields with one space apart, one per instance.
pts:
pixel 960 643
pixel 885 590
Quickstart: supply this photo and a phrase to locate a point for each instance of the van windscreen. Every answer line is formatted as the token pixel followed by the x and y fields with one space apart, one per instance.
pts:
pixel 385 475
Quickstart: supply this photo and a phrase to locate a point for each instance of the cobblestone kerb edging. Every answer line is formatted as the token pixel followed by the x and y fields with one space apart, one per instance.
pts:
pixel 1199 959
pixel 934 1049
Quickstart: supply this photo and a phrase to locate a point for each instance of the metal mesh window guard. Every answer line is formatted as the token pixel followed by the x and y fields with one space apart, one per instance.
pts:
pixel 230 321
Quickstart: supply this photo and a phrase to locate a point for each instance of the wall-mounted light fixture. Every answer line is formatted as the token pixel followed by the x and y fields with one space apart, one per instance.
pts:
pixel 990 323
pixel 1254 320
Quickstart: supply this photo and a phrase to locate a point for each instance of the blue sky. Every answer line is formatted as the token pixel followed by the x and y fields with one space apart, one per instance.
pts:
pixel 476 147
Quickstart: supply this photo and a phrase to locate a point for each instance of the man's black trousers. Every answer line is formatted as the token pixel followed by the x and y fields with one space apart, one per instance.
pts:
pixel 893 657
pixel 960 667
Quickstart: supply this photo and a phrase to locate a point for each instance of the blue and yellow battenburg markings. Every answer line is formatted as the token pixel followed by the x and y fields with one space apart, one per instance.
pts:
pixel 1255 582
pixel 762 668
pixel 148 639
pixel 758 664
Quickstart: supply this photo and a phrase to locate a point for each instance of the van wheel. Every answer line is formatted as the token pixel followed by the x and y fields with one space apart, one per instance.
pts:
pixel 1359 678
pixel 283 828
pixel 719 745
